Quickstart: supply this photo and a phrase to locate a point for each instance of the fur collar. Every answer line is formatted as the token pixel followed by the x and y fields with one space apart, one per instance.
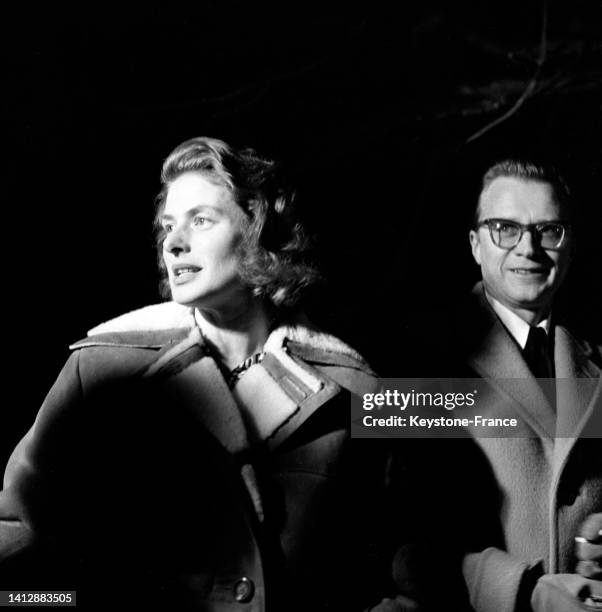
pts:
pixel 158 317
pixel 170 315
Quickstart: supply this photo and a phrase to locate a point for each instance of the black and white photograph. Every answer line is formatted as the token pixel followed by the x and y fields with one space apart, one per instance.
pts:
pixel 249 241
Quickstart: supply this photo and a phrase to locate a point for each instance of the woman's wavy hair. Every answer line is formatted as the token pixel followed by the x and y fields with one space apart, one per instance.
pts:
pixel 275 247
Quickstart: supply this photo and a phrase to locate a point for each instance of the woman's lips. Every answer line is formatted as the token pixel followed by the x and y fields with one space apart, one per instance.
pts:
pixel 183 273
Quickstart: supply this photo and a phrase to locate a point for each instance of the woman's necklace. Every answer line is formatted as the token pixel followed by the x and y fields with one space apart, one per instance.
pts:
pixel 241 368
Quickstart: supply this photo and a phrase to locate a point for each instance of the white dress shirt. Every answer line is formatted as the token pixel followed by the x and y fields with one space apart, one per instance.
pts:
pixel 518 328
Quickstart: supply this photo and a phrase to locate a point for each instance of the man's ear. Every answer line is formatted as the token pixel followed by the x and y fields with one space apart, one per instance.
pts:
pixel 475 246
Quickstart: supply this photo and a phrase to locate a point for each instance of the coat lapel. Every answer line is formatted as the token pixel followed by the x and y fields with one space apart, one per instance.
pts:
pixel 579 398
pixel 573 369
pixel 279 394
pixel 499 359
pixel 579 405
pixel 269 402
pixel 192 379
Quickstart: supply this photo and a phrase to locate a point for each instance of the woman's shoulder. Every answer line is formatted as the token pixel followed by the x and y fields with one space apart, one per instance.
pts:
pixel 314 345
pixel 149 324
pixel 331 356
pixel 132 340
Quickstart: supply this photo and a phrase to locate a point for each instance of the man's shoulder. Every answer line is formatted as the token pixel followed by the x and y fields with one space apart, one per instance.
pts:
pixel 439 338
pixel 446 339
pixel 584 343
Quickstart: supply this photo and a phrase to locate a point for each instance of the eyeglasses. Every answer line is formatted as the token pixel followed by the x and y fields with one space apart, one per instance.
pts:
pixel 507 234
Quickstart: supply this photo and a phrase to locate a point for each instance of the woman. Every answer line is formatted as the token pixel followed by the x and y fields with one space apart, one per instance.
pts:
pixel 196 453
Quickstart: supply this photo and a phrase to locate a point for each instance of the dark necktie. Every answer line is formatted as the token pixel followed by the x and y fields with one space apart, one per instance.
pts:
pixel 537 355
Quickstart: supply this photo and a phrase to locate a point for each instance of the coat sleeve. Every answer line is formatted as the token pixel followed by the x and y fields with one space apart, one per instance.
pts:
pixel 498 581
pixel 28 486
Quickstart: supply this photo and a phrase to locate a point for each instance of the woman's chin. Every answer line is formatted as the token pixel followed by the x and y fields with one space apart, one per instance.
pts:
pixel 185 298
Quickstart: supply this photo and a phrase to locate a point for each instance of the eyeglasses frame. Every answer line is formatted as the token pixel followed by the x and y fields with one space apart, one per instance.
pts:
pixel 529 227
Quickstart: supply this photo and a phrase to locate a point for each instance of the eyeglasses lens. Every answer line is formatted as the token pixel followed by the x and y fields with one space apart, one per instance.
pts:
pixel 507 234
pixel 551 235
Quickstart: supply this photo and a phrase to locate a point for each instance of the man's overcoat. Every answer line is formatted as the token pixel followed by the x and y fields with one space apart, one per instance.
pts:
pixel 511 506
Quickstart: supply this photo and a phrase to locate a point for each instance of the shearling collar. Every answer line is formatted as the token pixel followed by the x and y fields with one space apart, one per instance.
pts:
pixel 307 364
pixel 159 318
pixel 302 369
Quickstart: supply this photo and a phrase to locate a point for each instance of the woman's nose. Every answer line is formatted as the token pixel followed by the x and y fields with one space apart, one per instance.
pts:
pixel 176 241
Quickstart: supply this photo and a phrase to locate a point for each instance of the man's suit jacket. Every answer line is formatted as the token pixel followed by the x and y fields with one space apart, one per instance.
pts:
pixel 513 505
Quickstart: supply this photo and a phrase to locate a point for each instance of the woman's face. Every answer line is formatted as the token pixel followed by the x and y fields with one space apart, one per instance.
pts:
pixel 203 228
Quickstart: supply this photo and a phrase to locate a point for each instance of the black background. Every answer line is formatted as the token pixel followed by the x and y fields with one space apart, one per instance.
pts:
pixel 376 112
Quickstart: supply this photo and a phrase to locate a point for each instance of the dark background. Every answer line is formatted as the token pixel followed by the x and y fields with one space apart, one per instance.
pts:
pixel 385 118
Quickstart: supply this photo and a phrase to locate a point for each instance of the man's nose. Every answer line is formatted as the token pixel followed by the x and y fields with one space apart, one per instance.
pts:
pixel 177 241
pixel 527 244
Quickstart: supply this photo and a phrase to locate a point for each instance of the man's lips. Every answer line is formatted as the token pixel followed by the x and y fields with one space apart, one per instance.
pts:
pixel 529 271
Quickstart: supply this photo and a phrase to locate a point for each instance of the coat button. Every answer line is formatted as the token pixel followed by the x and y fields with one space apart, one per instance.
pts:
pixel 243 590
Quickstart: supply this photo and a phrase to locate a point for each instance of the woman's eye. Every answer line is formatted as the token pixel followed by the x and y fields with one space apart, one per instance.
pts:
pixel 200 221
pixel 167 228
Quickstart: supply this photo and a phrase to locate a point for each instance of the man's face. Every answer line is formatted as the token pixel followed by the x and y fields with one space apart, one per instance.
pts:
pixel 203 228
pixel 525 277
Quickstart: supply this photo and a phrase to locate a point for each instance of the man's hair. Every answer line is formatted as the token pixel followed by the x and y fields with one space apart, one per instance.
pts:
pixel 273 253
pixel 527 170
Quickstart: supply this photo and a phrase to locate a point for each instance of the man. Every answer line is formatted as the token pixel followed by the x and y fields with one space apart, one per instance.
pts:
pixel 515 506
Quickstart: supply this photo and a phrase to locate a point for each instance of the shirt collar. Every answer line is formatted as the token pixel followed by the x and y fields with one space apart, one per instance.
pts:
pixel 518 328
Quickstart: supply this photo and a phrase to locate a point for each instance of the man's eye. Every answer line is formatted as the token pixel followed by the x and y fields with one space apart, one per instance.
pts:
pixel 506 228
pixel 551 229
